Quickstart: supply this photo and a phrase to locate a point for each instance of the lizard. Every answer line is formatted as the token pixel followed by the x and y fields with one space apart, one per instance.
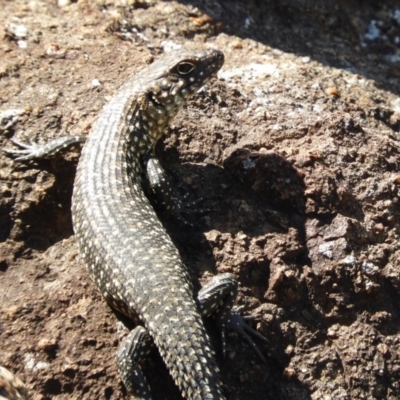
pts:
pixel 128 253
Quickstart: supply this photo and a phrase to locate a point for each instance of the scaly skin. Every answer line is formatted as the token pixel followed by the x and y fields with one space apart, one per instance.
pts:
pixel 11 387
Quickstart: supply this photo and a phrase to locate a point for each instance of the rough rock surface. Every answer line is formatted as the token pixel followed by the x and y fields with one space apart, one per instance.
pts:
pixel 295 150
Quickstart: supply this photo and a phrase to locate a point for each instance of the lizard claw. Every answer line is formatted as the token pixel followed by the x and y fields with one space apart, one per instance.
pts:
pixel 33 151
pixel 183 208
pixel 27 151
pixel 187 208
pixel 238 324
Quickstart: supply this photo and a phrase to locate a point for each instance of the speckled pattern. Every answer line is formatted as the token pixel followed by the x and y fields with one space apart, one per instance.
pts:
pixel 11 387
pixel 129 254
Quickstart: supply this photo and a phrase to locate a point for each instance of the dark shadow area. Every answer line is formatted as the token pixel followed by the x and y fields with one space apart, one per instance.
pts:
pixel 53 387
pixel 335 33
pixel 5 223
pixel 43 217
pixel 272 179
pixel 256 201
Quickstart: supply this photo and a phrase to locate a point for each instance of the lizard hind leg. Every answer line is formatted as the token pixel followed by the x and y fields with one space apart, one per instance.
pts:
pixel 216 299
pixel 132 351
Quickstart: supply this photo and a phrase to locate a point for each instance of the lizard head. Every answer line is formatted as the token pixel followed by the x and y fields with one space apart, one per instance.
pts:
pixel 175 78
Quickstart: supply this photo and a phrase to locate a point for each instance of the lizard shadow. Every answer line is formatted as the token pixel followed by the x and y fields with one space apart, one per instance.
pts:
pixel 255 194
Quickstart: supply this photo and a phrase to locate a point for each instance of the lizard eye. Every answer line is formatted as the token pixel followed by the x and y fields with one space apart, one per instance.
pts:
pixel 185 68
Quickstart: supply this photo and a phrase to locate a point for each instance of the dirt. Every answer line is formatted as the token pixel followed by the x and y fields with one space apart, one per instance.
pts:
pixel 294 150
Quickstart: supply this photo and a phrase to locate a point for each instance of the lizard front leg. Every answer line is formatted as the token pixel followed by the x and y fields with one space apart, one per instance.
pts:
pixel 34 151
